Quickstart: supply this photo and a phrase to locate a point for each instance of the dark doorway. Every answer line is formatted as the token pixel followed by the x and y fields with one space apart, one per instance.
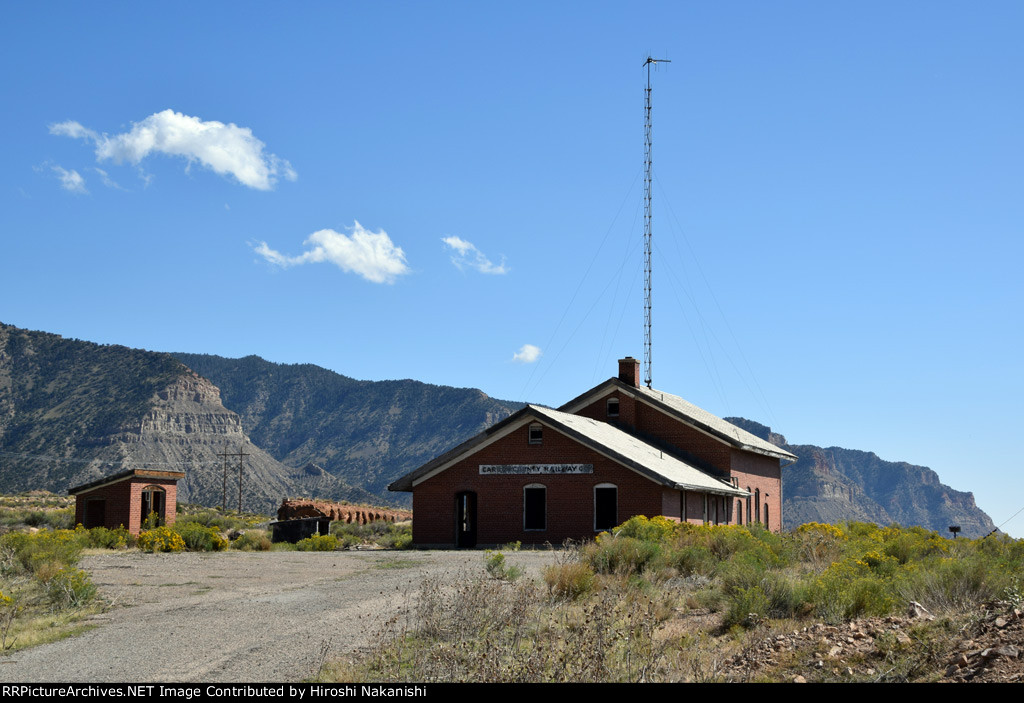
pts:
pixel 95 513
pixel 606 507
pixel 465 519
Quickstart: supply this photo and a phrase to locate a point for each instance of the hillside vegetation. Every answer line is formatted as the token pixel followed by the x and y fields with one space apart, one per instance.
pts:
pixel 659 601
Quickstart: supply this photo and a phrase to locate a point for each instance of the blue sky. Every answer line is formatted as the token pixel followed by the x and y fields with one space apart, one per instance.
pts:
pixel 451 192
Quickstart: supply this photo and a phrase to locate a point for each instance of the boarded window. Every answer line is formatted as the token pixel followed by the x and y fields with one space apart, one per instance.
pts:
pixel 535 498
pixel 536 434
pixel 606 506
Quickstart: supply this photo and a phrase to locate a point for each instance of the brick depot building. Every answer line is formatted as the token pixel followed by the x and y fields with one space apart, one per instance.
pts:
pixel 616 451
pixel 127 499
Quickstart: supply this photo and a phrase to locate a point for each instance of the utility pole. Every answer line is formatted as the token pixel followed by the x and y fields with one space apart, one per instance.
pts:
pixel 224 496
pixel 240 455
pixel 647 219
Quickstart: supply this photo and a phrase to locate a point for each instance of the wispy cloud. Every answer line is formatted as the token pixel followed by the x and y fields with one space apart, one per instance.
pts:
pixel 372 255
pixel 70 180
pixel 107 180
pixel 527 354
pixel 226 149
pixel 465 254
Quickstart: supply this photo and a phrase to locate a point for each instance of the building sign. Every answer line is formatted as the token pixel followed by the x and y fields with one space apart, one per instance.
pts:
pixel 498 469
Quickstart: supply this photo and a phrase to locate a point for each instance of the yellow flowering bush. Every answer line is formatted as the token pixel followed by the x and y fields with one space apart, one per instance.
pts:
pixel 161 539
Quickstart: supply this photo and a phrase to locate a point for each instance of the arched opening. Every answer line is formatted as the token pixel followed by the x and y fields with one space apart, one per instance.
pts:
pixel 154 507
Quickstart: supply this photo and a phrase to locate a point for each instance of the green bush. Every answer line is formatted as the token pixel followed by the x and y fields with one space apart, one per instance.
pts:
pixel 494 563
pixel 620 555
pixel 253 541
pixel 201 539
pixel 103 538
pixel 70 588
pixel 317 543
pixel 570 581
pixel 24 553
pixel 397 537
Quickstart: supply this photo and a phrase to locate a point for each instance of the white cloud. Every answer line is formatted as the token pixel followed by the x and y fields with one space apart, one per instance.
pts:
pixel 223 148
pixel 74 130
pixel 107 180
pixel 70 180
pixel 468 255
pixel 372 255
pixel 527 354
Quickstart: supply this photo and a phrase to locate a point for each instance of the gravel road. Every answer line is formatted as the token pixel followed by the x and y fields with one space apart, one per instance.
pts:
pixel 238 616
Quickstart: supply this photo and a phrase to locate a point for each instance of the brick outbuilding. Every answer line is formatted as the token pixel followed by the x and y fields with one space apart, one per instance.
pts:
pixel 127 498
pixel 616 451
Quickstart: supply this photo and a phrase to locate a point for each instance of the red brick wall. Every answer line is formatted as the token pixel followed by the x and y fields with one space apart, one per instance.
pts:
pixel 756 471
pixel 570 499
pixel 124 502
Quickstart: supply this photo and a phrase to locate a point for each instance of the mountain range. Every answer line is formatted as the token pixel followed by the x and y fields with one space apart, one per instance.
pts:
pixel 72 411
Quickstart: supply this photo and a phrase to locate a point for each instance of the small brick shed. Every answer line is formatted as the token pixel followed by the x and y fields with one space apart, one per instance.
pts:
pixel 617 450
pixel 127 498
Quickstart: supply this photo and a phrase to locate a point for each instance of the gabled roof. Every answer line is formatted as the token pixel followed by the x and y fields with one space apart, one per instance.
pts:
pixel 601 437
pixel 686 412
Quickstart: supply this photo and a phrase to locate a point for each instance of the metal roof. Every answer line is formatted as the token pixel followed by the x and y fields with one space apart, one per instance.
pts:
pixel 604 438
pixel 688 413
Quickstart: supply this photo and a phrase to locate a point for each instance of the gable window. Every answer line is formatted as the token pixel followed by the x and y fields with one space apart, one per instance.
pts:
pixel 606 506
pixel 535 508
pixel 536 433
pixel 613 407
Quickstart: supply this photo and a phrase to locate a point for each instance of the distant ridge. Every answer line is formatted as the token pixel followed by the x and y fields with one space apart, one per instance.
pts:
pixel 831 484
pixel 72 411
pixel 365 432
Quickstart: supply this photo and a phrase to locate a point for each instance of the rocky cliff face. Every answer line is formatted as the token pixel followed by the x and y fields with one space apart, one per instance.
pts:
pixel 367 433
pixel 73 411
pixel 831 484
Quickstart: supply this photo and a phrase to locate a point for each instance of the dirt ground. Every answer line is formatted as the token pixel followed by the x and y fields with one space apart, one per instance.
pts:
pixel 238 616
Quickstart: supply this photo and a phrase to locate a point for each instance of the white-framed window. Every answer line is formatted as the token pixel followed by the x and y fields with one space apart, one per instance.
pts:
pixel 536 433
pixel 606 506
pixel 535 507
pixel 613 407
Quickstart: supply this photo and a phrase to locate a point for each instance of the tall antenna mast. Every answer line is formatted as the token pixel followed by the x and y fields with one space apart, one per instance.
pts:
pixel 647 220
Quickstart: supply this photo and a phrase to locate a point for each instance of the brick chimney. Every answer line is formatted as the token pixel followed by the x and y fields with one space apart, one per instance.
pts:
pixel 629 371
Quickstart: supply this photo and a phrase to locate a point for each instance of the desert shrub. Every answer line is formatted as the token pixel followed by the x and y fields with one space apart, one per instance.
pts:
pixel 819 544
pixel 208 517
pixel 944 584
pixel 24 553
pixel 620 555
pixel 317 543
pixel 570 580
pixel 690 559
pixel 253 541
pixel 396 537
pixel 849 589
pixel 104 538
pixel 69 588
pixel 656 529
pixel 161 539
pixel 497 567
pixel 59 519
pixel 201 539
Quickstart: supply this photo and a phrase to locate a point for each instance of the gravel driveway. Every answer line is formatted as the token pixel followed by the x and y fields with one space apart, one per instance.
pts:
pixel 238 616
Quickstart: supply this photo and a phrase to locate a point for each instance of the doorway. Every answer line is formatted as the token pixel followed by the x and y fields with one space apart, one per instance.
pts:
pixel 465 519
